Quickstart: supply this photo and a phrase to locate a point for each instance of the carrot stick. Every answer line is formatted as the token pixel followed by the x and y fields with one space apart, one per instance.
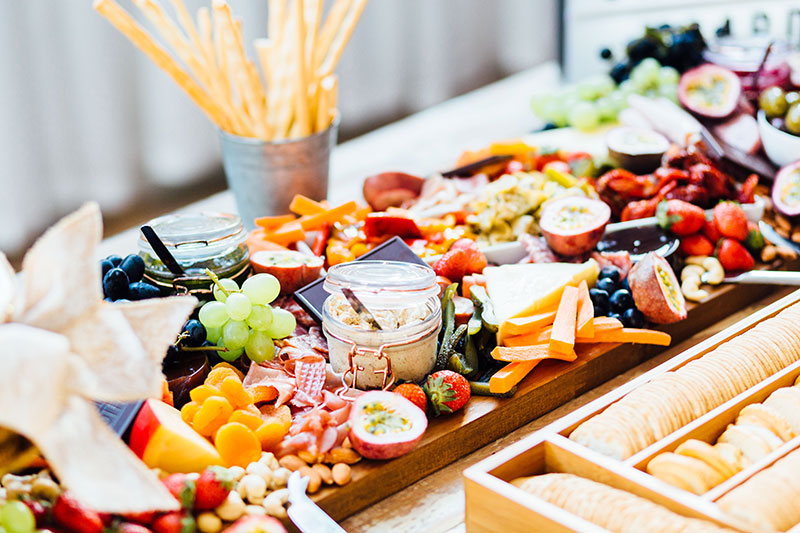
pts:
pixel 636 336
pixel 504 379
pixel 529 353
pixel 541 336
pixel 328 217
pixel 303 205
pixel 562 338
pixel 272 223
pixel 528 324
pixel 585 327
pixel 287 234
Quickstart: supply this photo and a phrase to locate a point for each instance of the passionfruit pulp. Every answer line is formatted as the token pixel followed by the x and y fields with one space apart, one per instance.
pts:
pixel 573 225
pixel 786 190
pixel 384 425
pixel 709 91
pixel 656 290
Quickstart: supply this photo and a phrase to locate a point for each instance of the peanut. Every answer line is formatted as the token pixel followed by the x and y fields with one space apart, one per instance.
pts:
pixel 782 222
pixel 796 235
pixel 308 457
pixel 341 473
pixel 768 253
pixel 314 479
pixel 342 455
pixel 782 232
pixel 292 462
pixel 784 252
pixel 324 472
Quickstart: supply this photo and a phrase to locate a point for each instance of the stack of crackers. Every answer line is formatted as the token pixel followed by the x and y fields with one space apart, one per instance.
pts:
pixel 760 428
pixel 671 400
pixel 612 509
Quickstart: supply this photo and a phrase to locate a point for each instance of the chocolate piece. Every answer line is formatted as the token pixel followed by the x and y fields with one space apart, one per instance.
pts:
pixel 312 296
pixel 119 416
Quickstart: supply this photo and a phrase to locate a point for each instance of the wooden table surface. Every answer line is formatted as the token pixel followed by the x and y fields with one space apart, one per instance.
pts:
pixel 428 141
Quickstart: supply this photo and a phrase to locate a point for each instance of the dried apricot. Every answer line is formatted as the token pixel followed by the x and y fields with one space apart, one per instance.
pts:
pixel 214 412
pixel 283 413
pixel 188 411
pixel 262 393
pixel 249 419
pixel 237 444
pixel 271 433
pixel 233 390
pixel 200 393
pixel 223 364
pixel 216 376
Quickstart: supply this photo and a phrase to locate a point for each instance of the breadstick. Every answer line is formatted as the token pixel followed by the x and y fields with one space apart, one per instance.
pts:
pixel 125 24
pixel 324 105
pixel 332 59
pixel 313 16
pixel 264 49
pixel 302 116
pixel 329 30
pixel 283 108
pixel 189 27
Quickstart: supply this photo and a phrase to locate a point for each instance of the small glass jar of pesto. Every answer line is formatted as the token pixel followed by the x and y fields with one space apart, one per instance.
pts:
pixel 197 241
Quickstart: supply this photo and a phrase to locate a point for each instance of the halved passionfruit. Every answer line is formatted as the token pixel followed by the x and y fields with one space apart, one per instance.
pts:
pixel 786 190
pixel 384 425
pixel 656 291
pixel 294 270
pixel 636 149
pixel 574 224
pixel 709 91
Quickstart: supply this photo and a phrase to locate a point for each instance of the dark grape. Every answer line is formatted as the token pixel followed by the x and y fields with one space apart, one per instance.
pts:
pixel 606 284
pixel 105 266
pixel 625 285
pixel 632 318
pixel 141 291
pixel 133 265
pixel 549 126
pixel 196 333
pixel 114 260
pixel 173 356
pixel 621 300
pixel 609 272
pixel 639 49
pixel 115 283
pixel 123 301
pixel 600 311
pixel 107 299
pixel 599 298
pixel 605 53
pixel 620 72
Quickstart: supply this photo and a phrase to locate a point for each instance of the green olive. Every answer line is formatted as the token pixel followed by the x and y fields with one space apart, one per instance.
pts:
pixel 793 119
pixel 773 102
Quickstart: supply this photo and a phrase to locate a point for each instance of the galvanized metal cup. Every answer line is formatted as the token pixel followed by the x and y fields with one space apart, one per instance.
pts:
pixel 264 176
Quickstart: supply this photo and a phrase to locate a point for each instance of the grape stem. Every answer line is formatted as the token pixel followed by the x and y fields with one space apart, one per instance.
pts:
pixel 203 348
pixel 215 279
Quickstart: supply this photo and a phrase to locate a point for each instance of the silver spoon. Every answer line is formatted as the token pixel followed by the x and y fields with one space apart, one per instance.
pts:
pixel 360 308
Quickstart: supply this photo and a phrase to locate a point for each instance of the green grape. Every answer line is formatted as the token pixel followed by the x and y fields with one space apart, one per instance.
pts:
pixel 584 116
pixel 669 91
pixel 259 347
pixel 260 317
pixel 773 102
pixel 283 323
pixel 16 517
pixel 230 286
pixel 619 100
pixel 231 355
pixel 213 335
pixel 235 334
pixel 540 103
pixel 606 109
pixel 261 288
pixel 668 76
pixel 238 306
pixel 213 315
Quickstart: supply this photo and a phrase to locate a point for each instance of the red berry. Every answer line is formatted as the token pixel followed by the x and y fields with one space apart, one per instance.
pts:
pixel 413 393
pixel 144 518
pixel 183 489
pixel 733 256
pixel 452 265
pixel 174 522
pixel 710 230
pixel 680 217
pixel 212 488
pixel 447 391
pixel 71 514
pixel 731 221
pixel 696 244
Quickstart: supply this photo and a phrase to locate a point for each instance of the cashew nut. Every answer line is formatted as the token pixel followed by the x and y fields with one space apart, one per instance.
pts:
pixel 696 259
pixel 237 472
pixel 209 523
pixel 280 478
pixel 261 470
pixel 714 271
pixel 232 508
pixel 692 291
pixel 692 271
pixel 274 503
pixel 269 459
pixel 255 510
pixel 254 486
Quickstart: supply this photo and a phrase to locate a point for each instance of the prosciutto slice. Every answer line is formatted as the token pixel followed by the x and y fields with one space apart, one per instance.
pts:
pixel 274 376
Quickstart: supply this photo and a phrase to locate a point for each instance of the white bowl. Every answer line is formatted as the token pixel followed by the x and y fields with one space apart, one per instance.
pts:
pixel 782 148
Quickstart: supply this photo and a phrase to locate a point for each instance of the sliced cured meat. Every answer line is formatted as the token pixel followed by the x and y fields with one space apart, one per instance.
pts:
pixel 288 303
pixel 271 376
pixel 537 249
pixel 620 260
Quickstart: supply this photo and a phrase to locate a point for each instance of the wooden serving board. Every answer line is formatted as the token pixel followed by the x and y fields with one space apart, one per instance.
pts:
pixel 550 385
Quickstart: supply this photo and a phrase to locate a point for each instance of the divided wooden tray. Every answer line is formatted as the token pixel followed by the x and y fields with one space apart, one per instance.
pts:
pixel 493 504
pixel 485 419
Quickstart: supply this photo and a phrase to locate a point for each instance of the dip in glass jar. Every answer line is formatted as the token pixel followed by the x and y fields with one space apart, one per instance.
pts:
pixel 404 299
pixel 197 241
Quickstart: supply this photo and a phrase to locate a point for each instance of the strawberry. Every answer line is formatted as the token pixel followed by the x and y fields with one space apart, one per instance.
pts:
pixel 476 258
pixel 755 240
pixel 183 489
pixel 174 522
pixel 71 514
pixel 129 527
pixel 447 391
pixel 734 256
pixel 679 217
pixel 731 220
pixel 452 265
pixel 696 244
pixel 710 230
pixel 213 487
pixel 144 518
pixel 413 393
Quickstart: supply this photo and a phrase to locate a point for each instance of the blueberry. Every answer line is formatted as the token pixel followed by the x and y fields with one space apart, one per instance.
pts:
pixel 114 260
pixel 196 333
pixel 599 298
pixel 621 300
pixel 625 285
pixel 632 318
pixel 609 272
pixel 115 283
pixel 141 291
pixel 105 266
pixel 615 315
pixel 606 284
pixel 133 265
pixel 123 301
pixel 600 311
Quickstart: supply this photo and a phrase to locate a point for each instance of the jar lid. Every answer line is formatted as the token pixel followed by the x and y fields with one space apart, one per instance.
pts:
pixel 194 236
pixel 384 284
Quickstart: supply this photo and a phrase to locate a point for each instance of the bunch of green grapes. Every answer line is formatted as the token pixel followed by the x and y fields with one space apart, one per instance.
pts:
pixel 242 320
pixel 598 99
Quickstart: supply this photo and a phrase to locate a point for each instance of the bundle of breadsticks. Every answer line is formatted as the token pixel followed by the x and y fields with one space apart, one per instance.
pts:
pixel 295 94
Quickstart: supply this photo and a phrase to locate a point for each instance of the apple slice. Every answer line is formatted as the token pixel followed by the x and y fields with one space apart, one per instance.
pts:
pixel 162 440
pixel 294 270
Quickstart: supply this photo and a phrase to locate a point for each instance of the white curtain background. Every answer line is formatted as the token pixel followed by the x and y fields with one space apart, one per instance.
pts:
pixel 84 115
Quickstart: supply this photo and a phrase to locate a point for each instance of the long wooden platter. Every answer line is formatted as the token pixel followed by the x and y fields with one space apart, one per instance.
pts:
pixel 485 419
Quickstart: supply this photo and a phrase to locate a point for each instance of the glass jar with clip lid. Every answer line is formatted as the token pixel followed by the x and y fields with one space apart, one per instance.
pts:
pixel 403 298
